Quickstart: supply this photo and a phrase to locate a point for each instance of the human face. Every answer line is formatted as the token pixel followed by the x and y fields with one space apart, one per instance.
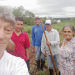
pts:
pixel 18 26
pixel 68 33
pixel 48 26
pixel 37 22
pixel 6 30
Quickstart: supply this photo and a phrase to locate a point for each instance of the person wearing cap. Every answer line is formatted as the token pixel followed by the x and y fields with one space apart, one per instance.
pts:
pixel 9 64
pixel 53 42
pixel 37 32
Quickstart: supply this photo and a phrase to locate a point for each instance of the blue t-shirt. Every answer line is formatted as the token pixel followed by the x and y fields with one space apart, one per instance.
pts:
pixel 37 32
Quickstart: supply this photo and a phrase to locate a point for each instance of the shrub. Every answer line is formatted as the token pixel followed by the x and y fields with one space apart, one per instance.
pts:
pixel 28 30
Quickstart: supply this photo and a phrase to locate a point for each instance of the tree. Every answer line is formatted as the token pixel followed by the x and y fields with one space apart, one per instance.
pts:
pixel 27 15
pixel 18 11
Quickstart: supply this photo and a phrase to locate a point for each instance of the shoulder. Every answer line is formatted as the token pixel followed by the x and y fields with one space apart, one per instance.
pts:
pixel 24 33
pixel 34 26
pixel 13 33
pixel 16 64
pixel 73 40
pixel 43 24
pixel 9 56
pixel 54 30
pixel 13 59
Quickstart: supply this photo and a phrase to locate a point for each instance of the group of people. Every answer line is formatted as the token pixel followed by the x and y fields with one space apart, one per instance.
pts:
pixel 14 46
pixel 40 45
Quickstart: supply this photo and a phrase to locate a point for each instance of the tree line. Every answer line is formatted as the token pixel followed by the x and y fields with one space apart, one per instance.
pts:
pixel 29 16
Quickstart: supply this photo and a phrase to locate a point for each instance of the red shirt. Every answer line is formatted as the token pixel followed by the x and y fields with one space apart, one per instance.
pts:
pixel 21 43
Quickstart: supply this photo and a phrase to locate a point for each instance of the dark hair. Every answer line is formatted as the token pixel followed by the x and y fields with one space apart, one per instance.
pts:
pixel 37 17
pixel 70 26
pixel 19 18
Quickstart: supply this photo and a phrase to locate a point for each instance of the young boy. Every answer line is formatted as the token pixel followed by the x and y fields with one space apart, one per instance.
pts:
pixel 21 40
pixel 53 42
pixel 9 65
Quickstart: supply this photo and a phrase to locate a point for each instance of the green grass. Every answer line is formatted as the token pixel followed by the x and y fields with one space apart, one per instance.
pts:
pixel 57 26
pixel 27 28
pixel 60 25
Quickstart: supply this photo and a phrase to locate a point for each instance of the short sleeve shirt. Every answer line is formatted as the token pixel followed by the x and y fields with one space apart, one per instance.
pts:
pixel 21 43
pixel 11 65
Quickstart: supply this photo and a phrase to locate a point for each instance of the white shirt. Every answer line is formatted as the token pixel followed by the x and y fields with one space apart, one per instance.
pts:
pixel 11 65
pixel 53 37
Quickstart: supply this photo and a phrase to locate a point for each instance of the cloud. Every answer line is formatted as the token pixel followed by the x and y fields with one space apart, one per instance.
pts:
pixel 55 8
pixel 2 0
pixel 52 8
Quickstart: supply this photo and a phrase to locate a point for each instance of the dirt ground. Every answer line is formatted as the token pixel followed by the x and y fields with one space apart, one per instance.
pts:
pixel 33 67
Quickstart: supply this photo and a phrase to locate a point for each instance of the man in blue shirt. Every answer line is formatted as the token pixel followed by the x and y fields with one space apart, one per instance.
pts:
pixel 37 32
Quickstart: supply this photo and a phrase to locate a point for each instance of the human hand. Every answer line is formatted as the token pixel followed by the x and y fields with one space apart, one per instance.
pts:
pixel 45 54
pixel 33 49
pixel 48 43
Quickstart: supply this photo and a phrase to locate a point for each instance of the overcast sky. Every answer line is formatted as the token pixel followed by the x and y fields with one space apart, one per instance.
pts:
pixel 45 8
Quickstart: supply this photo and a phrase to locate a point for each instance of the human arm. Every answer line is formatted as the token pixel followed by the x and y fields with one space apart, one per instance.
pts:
pixel 33 49
pixel 10 46
pixel 27 52
pixel 74 53
pixel 27 45
pixel 56 40
pixel 33 40
pixel 48 43
pixel 43 46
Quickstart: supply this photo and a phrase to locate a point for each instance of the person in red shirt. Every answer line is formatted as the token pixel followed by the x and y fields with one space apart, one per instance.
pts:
pixel 21 40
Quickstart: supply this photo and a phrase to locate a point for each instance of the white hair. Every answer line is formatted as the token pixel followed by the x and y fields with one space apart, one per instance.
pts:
pixel 6 15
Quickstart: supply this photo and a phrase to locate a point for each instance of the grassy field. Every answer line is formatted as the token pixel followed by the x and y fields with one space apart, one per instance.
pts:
pixel 58 27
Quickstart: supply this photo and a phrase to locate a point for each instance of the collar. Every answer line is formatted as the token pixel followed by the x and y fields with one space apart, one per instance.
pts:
pixel 72 40
pixel 39 25
pixel 50 31
pixel 22 32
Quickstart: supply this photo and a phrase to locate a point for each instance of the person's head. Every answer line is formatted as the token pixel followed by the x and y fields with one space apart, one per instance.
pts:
pixel 68 32
pixel 37 20
pixel 48 24
pixel 19 24
pixel 7 23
